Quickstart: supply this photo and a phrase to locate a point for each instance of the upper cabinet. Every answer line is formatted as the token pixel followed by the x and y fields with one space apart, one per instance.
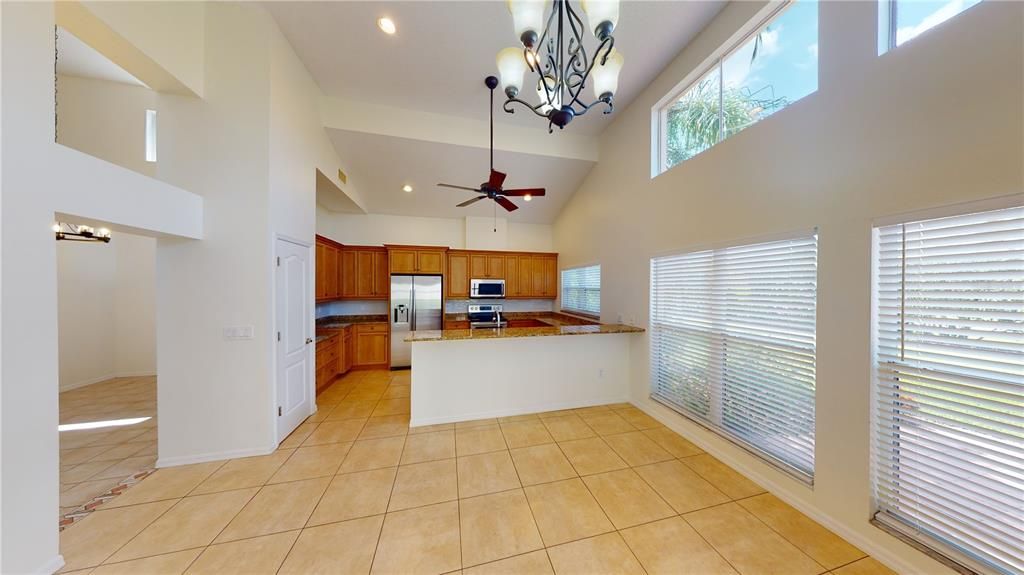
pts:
pixel 457 285
pixel 350 272
pixel 526 275
pixel 364 272
pixel 417 259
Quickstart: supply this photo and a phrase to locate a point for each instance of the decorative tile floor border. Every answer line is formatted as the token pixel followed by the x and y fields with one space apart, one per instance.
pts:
pixel 80 512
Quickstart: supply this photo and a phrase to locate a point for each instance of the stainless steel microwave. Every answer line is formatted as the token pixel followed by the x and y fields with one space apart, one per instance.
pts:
pixel 486 288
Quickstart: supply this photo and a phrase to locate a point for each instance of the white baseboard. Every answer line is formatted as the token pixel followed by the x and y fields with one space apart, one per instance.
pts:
pixel 102 378
pixel 865 544
pixel 414 422
pixel 51 566
pixel 216 456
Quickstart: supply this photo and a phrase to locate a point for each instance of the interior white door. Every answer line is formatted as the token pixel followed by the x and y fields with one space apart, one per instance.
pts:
pixel 295 388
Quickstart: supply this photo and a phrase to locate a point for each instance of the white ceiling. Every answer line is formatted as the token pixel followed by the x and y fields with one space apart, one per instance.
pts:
pixel 383 164
pixel 436 64
pixel 443 50
pixel 76 58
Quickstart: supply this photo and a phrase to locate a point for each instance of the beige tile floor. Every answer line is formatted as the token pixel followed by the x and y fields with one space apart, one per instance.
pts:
pixel 93 461
pixel 353 490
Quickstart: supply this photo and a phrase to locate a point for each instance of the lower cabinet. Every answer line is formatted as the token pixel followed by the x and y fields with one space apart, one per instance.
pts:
pixel 372 345
pixel 334 357
pixel 456 324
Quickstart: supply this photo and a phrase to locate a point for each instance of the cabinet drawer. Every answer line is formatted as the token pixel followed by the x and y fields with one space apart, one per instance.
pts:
pixel 370 327
pixel 456 324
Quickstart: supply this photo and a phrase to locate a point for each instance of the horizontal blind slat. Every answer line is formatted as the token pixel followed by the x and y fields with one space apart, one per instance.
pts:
pixel 948 452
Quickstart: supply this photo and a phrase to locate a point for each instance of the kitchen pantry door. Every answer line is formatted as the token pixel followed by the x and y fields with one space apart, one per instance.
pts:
pixel 294 337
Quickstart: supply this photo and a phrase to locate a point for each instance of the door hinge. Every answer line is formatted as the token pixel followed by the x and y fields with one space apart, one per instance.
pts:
pixel 278 261
pixel 279 411
pixel 278 336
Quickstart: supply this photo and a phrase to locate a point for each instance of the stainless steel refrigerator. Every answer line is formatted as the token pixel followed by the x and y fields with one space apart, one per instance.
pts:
pixel 415 305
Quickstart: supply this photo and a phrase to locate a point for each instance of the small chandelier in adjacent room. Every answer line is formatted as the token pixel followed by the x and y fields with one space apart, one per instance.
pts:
pixel 73 233
pixel 553 49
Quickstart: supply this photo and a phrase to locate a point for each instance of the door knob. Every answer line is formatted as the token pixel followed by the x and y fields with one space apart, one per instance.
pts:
pixel 309 340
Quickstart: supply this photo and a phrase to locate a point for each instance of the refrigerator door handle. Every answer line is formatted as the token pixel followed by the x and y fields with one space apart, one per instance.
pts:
pixel 412 309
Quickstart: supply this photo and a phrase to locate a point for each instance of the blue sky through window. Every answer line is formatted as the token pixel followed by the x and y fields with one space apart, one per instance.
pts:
pixel 915 16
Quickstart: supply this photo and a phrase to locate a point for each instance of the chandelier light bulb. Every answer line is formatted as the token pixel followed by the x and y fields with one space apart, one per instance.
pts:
pixel 386 25
pixel 602 15
pixel 103 232
pixel 511 67
pixel 527 19
pixel 606 76
pixel 56 227
pixel 527 198
pixel 407 188
pixel 542 95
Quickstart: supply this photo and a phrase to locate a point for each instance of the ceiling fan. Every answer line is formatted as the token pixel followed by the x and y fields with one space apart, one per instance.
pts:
pixel 491 189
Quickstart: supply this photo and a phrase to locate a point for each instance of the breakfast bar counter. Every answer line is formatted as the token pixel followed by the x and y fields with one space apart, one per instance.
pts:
pixel 468 374
pixel 509 332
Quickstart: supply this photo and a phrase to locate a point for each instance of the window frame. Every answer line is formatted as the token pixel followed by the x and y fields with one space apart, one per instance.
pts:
pixel 763 455
pixel 888 25
pixel 659 112
pixel 561 290
pixel 944 552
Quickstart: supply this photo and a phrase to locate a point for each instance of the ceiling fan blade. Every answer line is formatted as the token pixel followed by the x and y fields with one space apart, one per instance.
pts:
pixel 524 192
pixel 471 201
pixel 497 178
pixel 459 187
pixel 505 203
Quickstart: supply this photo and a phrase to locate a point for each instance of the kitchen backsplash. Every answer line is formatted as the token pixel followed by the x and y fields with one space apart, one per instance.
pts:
pixel 362 307
pixel 540 305
pixel 375 307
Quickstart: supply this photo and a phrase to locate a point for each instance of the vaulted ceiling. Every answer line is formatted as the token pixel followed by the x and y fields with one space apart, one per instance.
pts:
pixel 435 64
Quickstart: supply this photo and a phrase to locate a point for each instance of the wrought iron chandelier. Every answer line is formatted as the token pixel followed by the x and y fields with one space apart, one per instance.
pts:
pixel 555 53
pixel 78 233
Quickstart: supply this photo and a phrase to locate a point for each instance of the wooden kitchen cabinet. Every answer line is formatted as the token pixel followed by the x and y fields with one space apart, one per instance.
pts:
pixel 526 275
pixel 372 280
pixel 512 276
pixel 456 324
pixel 371 345
pixel 327 272
pixel 457 279
pixel 403 261
pixel 327 361
pixel 417 260
pixel 485 265
pixel 347 273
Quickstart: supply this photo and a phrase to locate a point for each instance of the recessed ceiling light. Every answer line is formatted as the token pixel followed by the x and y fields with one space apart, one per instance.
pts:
pixel 387 25
pixel 407 188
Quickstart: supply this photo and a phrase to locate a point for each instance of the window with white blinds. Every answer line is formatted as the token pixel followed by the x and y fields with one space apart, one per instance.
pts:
pixel 948 464
pixel 733 344
pixel 581 290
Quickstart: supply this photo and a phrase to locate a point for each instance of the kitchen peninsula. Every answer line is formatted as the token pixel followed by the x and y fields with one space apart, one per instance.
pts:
pixel 515 370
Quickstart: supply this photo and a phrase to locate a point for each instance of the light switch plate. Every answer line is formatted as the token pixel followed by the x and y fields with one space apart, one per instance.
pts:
pixel 238 332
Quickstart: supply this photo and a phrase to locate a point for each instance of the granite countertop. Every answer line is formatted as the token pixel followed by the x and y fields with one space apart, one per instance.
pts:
pixel 337 322
pixel 329 326
pixel 499 333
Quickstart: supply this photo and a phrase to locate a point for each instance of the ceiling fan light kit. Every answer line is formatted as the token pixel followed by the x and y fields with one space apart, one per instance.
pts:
pixel 565 67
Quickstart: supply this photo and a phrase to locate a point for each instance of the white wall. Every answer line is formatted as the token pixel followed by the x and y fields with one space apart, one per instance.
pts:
pixel 39 179
pixel 455 233
pixel 936 121
pixel 85 312
pixel 106 309
pixel 134 305
pixel 106 120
